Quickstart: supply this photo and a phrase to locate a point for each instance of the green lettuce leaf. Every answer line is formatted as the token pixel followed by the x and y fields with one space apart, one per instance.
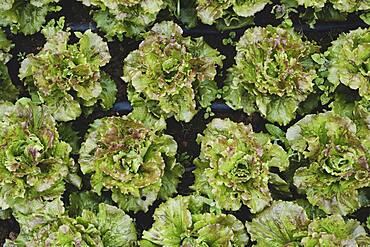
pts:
pixel 335 231
pixel 273 74
pixel 67 76
pixel 116 228
pixel 349 62
pixel 351 5
pixel 234 163
pixel 131 158
pixel 338 162
pixel 8 91
pixel 128 17
pixel 358 111
pixel 323 10
pixel 50 226
pixel 282 224
pixel 171 75
pixel 34 163
pixel 26 17
pixel 209 11
pixel 187 221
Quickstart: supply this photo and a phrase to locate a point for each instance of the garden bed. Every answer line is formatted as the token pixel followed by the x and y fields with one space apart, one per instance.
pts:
pixel 77 17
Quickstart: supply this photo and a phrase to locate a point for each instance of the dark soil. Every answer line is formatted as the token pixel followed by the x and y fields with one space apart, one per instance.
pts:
pixel 77 17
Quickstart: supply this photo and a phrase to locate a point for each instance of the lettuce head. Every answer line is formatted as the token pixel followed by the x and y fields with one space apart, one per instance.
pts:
pixel 273 74
pixel 131 158
pixel 234 165
pixel 66 76
pixel 189 221
pixel 349 62
pixel 335 162
pixel 34 163
pixel 282 224
pixel 171 75
pixel 108 227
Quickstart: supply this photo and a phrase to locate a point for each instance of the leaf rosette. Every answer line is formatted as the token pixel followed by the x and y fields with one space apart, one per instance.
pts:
pixel 349 62
pixel 337 162
pixel 131 158
pixel 34 163
pixel 67 77
pixel 286 224
pixel 273 74
pixel 335 231
pixel 170 75
pixel 233 166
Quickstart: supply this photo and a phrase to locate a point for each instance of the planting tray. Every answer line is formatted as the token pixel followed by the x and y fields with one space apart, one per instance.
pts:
pixel 78 19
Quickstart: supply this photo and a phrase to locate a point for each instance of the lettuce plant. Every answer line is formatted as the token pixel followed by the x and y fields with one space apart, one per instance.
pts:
pixel 26 16
pixel 286 224
pixel 341 5
pixel 34 163
pixel 282 224
pixel 337 162
pixel 233 166
pixel 188 221
pixel 211 10
pixel 273 74
pixel 335 231
pixel 8 90
pixel 131 158
pixel 124 17
pixel 349 62
pixel 325 10
pixel 109 227
pixel 170 74
pixel 358 111
pixel 345 6
pixel 67 76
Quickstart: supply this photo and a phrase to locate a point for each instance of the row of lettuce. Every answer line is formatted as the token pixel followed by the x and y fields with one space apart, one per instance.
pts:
pixel 131 163
pixel 131 18
pixel 277 73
